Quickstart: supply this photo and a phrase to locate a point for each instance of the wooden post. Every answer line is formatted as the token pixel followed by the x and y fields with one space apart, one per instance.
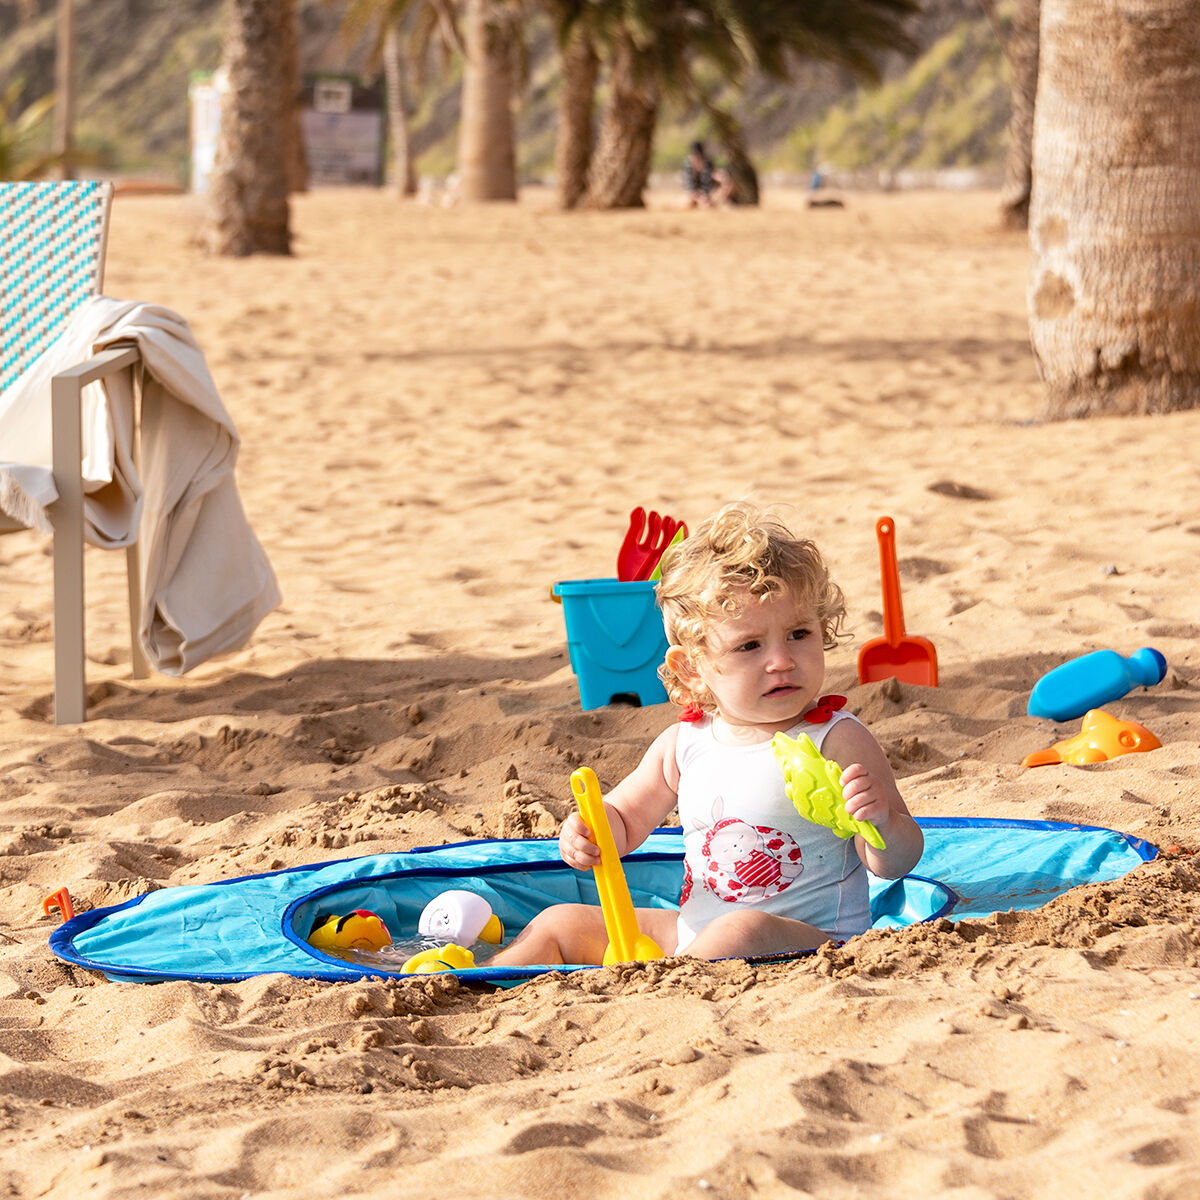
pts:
pixel 64 98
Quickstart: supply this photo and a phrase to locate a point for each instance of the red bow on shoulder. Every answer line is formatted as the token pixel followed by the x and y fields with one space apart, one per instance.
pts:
pixel 825 707
pixel 692 712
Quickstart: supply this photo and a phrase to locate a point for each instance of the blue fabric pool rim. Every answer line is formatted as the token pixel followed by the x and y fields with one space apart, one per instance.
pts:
pixel 163 934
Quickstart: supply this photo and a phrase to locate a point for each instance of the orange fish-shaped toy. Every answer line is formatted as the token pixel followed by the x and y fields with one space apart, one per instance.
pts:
pixel 1101 737
pixel 360 929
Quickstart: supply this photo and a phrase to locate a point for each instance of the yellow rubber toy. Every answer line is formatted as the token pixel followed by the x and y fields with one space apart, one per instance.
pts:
pixel 814 786
pixel 360 929
pixel 626 942
pixel 450 957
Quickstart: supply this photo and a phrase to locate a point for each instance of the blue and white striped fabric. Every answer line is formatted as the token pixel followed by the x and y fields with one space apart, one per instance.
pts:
pixel 52 250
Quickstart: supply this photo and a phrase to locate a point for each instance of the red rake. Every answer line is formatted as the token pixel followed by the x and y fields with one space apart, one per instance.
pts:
pixel 645 541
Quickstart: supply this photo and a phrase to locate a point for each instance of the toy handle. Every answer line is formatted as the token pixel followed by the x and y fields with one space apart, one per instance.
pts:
pixel 626 942
pixel 586 789
pixel 889 573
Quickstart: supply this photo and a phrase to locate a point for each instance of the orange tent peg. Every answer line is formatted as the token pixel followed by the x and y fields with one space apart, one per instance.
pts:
pixel 60 900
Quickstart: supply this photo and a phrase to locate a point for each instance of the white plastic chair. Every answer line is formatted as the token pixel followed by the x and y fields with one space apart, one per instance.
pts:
pixel 52 244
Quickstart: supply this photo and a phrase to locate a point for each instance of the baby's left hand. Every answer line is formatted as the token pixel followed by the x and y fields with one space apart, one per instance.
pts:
pixel 865 796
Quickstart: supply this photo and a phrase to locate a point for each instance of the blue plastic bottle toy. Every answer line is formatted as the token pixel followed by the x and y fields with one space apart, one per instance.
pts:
pixel 1093 680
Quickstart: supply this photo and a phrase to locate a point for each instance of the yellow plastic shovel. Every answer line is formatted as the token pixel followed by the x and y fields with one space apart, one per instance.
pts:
pixel 626 942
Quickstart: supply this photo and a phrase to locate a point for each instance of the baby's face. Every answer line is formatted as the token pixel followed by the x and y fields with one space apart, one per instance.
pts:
pixel 766 665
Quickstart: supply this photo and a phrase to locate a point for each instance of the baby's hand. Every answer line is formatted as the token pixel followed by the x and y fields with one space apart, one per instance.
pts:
pixel 576 846
pixel 865 797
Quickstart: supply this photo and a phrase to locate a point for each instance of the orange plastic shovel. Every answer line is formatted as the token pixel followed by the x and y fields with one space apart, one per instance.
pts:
pixel 626 942
pixel 909 659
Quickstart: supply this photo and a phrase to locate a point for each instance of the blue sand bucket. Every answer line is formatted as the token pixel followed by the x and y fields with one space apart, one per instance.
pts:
pixel 616 640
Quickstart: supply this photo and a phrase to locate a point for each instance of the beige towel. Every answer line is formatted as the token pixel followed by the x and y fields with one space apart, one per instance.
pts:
pixel 24 493
pixel 206 581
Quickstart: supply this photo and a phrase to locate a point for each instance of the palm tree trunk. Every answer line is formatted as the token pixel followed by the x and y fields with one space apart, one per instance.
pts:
pixel 1022 53
pixel 404 169
pixel 487 159
pixel 625 147
pixel 573 149
pixel 1115 214
pixel 248 189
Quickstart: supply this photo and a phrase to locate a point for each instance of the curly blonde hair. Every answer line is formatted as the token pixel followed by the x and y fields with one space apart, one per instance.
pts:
pixel 740 549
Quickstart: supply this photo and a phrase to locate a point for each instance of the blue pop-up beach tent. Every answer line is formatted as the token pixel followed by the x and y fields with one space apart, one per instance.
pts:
pixel 258 924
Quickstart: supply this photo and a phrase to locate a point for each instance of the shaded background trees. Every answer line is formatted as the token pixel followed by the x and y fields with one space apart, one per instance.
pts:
pixel 656 48
pixel 134 64
pixel 645 50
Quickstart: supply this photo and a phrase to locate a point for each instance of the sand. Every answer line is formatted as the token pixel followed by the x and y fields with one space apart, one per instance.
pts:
pixel 445 411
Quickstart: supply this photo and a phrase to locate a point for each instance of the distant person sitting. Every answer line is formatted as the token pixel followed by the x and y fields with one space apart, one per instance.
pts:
pixel 818 197
pixel 706 185
pixel 724 188
pixel 698 177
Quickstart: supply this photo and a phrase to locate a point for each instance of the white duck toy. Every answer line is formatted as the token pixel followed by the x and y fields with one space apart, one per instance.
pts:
pixel 462 917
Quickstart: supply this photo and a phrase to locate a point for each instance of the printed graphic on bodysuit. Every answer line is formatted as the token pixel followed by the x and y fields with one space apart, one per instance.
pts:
pixel 744 863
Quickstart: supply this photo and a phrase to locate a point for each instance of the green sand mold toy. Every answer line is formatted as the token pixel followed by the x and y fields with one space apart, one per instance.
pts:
pixel 814 786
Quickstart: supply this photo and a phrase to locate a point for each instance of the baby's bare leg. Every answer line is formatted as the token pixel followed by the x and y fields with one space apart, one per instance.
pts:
pixel 563 933
pixel 575 933
pixel 748 932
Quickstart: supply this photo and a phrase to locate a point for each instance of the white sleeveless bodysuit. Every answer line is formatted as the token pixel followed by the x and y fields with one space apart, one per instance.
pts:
pixel 745 843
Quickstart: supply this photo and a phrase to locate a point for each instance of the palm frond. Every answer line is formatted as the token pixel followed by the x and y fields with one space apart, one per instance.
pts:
pixel 669 37
pixel 18 132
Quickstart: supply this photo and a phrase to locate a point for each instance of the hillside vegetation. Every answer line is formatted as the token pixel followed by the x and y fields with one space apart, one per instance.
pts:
pixel 947 108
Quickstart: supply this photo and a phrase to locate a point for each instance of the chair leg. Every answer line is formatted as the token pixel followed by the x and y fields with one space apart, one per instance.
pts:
pixel 70 695
pixel 141 667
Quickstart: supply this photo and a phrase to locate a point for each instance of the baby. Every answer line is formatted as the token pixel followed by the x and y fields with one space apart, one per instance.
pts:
pixel 749 610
